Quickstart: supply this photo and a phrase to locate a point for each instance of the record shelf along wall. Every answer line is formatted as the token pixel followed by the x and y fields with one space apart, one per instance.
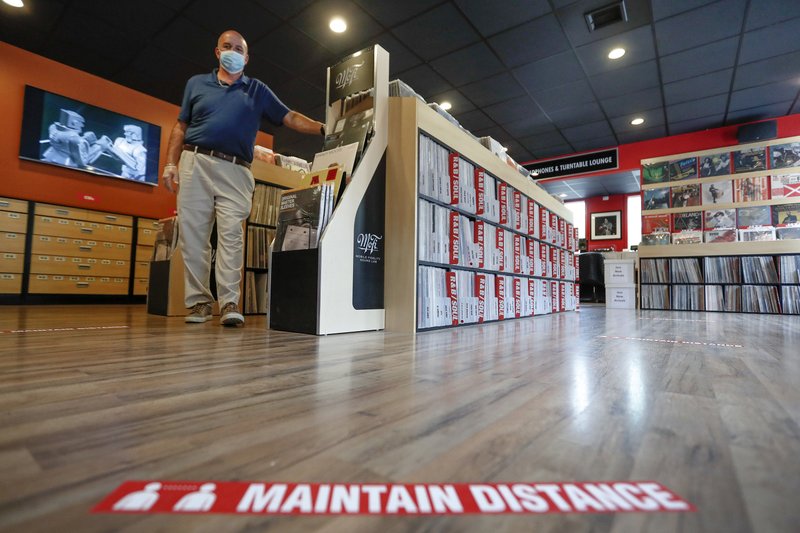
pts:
pixel 721 230
pixel 469 239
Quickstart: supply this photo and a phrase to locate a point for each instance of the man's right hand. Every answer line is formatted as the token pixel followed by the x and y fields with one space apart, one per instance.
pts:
pixel 170 177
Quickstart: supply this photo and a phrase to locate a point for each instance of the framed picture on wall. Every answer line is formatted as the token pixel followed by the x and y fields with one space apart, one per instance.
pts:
pixel 607 225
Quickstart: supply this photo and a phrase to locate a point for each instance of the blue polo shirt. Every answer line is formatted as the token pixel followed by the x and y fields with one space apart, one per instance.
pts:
pixel 227 118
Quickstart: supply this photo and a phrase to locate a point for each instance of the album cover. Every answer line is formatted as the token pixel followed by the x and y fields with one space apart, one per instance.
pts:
pixel 683 169
pixel 687 237
pixel 785 155
pixel 718 192
pixel 656 198
pixel 299 219
pixel 721 235
pixel 654 239
pixel 792 232
pixel 785 186
pixel 757 234
pixel 751 189
pixel 655 224
pixel 785 214
pixel 750 160
pixel 655 173
pixel 720 218
pixel 686 195
pixel 687 222
pixel 753 216
pixel 715 165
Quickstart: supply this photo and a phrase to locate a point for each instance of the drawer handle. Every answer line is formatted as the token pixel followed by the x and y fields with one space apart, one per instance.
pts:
pixel 3 203
pixel 85 248
pixel 62 212
pixel 82 285
pixel 111 217
pixel 84 267
pixel 87 230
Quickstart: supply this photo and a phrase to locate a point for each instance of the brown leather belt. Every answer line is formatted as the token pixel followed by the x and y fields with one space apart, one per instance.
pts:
pixel 215 153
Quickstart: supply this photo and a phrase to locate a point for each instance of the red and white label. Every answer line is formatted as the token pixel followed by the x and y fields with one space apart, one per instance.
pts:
pixel 517 297
pixel 517 210
pixel 480 291
pixel 517 254
pixel 531 251
pixel 455 238
pixel 501 247
pixel 544 223
pixel 553 227
pixel 452 293
pixel 545 259
pixel 455 186
pixel 263 498
pixel 562 263
pixel 554 296
pixel 562 299
pixel 479 241
pixel 502 195
pixel 531 217
pixel 500 290
pixel 88 197
pixel 480 191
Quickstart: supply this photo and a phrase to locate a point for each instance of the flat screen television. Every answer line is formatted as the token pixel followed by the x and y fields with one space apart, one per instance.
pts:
pixel 61 131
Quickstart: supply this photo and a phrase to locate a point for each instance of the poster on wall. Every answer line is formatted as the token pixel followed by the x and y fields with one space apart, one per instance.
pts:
pixel 683 169
pixel 607 225
pixel 656 198
pixel 655 173
pixel 785 155
pixel 715 165
pixel 750 160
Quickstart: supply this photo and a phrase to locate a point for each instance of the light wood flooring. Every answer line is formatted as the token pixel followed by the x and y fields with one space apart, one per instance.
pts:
pixel 556 398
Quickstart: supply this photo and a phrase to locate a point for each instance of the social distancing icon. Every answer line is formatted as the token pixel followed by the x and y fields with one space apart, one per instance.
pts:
pixel 199 501
pixel 141 500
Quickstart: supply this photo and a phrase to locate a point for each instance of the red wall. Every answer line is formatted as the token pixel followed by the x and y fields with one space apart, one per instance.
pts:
pixel 36 181
pixel 616 202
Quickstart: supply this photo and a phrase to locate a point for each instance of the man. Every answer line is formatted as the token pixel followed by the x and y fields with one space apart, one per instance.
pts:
pixel 209 155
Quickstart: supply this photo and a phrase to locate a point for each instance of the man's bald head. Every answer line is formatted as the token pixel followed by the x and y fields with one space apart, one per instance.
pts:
pixel 232 40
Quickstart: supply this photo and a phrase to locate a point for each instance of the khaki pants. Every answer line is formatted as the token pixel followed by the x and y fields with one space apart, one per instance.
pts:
pixel 212 188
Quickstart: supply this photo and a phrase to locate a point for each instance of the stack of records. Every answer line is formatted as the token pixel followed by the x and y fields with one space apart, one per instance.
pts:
pixel 304 213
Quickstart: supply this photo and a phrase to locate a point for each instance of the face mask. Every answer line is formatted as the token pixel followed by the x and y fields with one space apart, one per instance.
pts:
pixel 232 62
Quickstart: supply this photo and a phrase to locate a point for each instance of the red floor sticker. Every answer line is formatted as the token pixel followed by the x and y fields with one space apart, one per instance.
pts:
pixel 245 497
pixel 671 341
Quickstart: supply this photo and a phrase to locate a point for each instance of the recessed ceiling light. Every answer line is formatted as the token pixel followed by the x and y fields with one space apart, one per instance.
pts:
pixel 563 195
pixel 637 121
pixel 338 25
pixel 616 53
pixel 14 3
pixel 447 106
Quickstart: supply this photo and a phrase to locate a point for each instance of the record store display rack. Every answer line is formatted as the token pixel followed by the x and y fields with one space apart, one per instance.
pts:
pixel 720 229
pixel 471 239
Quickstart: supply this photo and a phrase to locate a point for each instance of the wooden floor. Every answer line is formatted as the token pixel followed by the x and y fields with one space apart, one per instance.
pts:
pixel 583 396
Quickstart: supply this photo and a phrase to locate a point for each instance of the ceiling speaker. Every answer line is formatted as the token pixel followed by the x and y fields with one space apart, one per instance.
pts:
pixel 760 131
pixel 606 16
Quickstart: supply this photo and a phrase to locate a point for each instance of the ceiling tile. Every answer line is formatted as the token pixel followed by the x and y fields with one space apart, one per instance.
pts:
pixel 146 16
pixel 521 155
pixel 696 124
pixel 495 132
pixel 530 125
pixel 577 114
pixel 314 21
pixel 249 19
pixel 550 72
pixel 457 100
pixel 298 52
pixel 533 40
pixel 575 93
pixel 700 26
pixel 494 17
pixel 184 38
pixel 702 60
pixel 772 93
pixel 759 113
pixel 703 107
pixel 392 13
pixel 273 75
pixel 770 41
pixel 284 9
pixel 300 95
pixel 511 110
pixel 652 118
pixel 588 131
pixel 767 71
pixel 646 134
pixel 144 74
pixel 475 120
pixel 400 57
pixel 767 12
pixel 469 64
pixel 632 103
pixel 491 90
pixel 425 36
pixel 638 45
pixel 699 87
pixel 424 81
pixel 667 8
pixel 535 143
pixel 572 18
pixel 594 144
pixel 553 151
pixel 796 108
pixel 626 80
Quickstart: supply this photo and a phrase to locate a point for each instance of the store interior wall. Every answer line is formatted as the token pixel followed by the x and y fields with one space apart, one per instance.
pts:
pixel 29 180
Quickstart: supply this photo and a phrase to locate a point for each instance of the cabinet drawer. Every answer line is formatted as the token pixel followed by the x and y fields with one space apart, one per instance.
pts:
pixel 11 262
pixel 147 236
pixel 141 269
pixel 140 286
pixel 79 266
pixel 59 211
pixel 13 222
pixel 144 253
pixel 149 223
pixel 48 245
pixel 12 242
pixel 11 204
pixel 109 218
pixel 10 283
pixel 57 284
pixel 65 227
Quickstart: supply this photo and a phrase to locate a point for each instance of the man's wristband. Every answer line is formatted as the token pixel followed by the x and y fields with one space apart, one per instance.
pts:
pixel 170 165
